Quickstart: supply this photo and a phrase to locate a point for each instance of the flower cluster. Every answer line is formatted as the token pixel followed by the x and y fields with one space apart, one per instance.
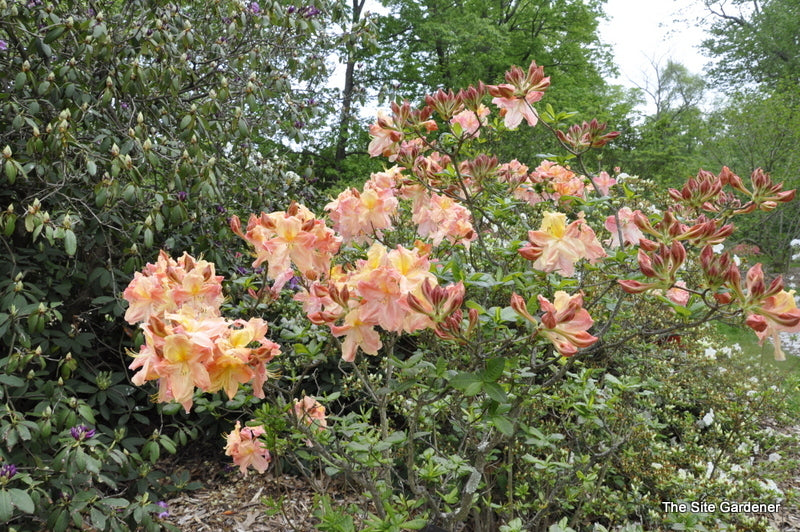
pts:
pixel 372 294
pixel 246 449
pixel 293 237
pixel 187 343
pixel 551 182
pixel 768 309
pixel 516 96
pixel 362 216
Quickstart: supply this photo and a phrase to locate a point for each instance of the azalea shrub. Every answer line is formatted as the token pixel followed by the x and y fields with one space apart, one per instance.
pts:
pixel 465 339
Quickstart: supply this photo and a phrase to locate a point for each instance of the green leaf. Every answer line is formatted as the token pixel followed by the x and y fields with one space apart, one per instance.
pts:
pixel 503 424
pixel 415 524
pixel 70 242
pixel 11 380
pixel 494 369
pixel 6 508
pixel 469 383
pixel 495 392
pixel 22 500
pixel 98 519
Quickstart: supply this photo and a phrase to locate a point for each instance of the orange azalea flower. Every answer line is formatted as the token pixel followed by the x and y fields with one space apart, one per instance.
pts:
pixel 181 369
pixel 565 323
pixel 145 296
pixel 295 236
pixel 246 449
pixel 556 247
pixel 361 216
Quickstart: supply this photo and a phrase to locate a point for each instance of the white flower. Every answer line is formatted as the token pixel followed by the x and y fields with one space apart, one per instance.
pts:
pixel 718 248
pixel 711 353
pixel 774 457
pixel 708 419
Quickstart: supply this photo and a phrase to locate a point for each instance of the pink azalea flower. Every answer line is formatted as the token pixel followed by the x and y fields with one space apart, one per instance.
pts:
pixel 246 449
pixel 777 313
pixel 385 137
pixel 678 294
pixel 358 334
pixel 310 412
pixel 515 109
pixel 631 234
pixel 441 217
pixel 604 182
pixel 471 121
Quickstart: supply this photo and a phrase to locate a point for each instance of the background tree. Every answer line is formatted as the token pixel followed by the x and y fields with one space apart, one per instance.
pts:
pixel 753 41
pixel 666 143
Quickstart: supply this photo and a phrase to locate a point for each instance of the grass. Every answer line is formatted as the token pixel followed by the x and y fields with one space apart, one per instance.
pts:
pixel 785 375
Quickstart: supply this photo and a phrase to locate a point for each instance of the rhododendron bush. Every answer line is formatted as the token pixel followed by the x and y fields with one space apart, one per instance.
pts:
pixel 457 292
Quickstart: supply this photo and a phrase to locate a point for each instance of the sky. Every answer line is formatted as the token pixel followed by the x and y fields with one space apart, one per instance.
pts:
pixel 643 31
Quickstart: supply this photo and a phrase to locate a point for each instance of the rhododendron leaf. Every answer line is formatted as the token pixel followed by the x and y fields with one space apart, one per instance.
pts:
pixel 494 369
pixel 468 383
pixel 6 508
pixel 495 392
pixel 503 424
pixel 473 305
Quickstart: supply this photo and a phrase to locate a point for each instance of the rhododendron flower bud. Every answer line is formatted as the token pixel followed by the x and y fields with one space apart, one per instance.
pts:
pixel 565 323
pixel 587 135
pixel 766 194
pixel 699 191
pixel 246 449
pixel 481 167
pixel 472 97
pixel 446 104
pixel 635 287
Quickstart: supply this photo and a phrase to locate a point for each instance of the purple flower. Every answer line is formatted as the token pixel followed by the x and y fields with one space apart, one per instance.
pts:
pixel 81 432
pixel 164 514
pixel 220 209
pixel 7 471
pixel 299 124
pixel 182 195
pixel 291 9
pixel 3 45
pixel 255 8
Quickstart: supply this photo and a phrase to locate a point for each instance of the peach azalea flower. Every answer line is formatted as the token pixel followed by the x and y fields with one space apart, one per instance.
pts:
pixel 246 449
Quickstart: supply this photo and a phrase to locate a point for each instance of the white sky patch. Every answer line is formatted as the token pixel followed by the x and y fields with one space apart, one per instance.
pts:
pixel 643 32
